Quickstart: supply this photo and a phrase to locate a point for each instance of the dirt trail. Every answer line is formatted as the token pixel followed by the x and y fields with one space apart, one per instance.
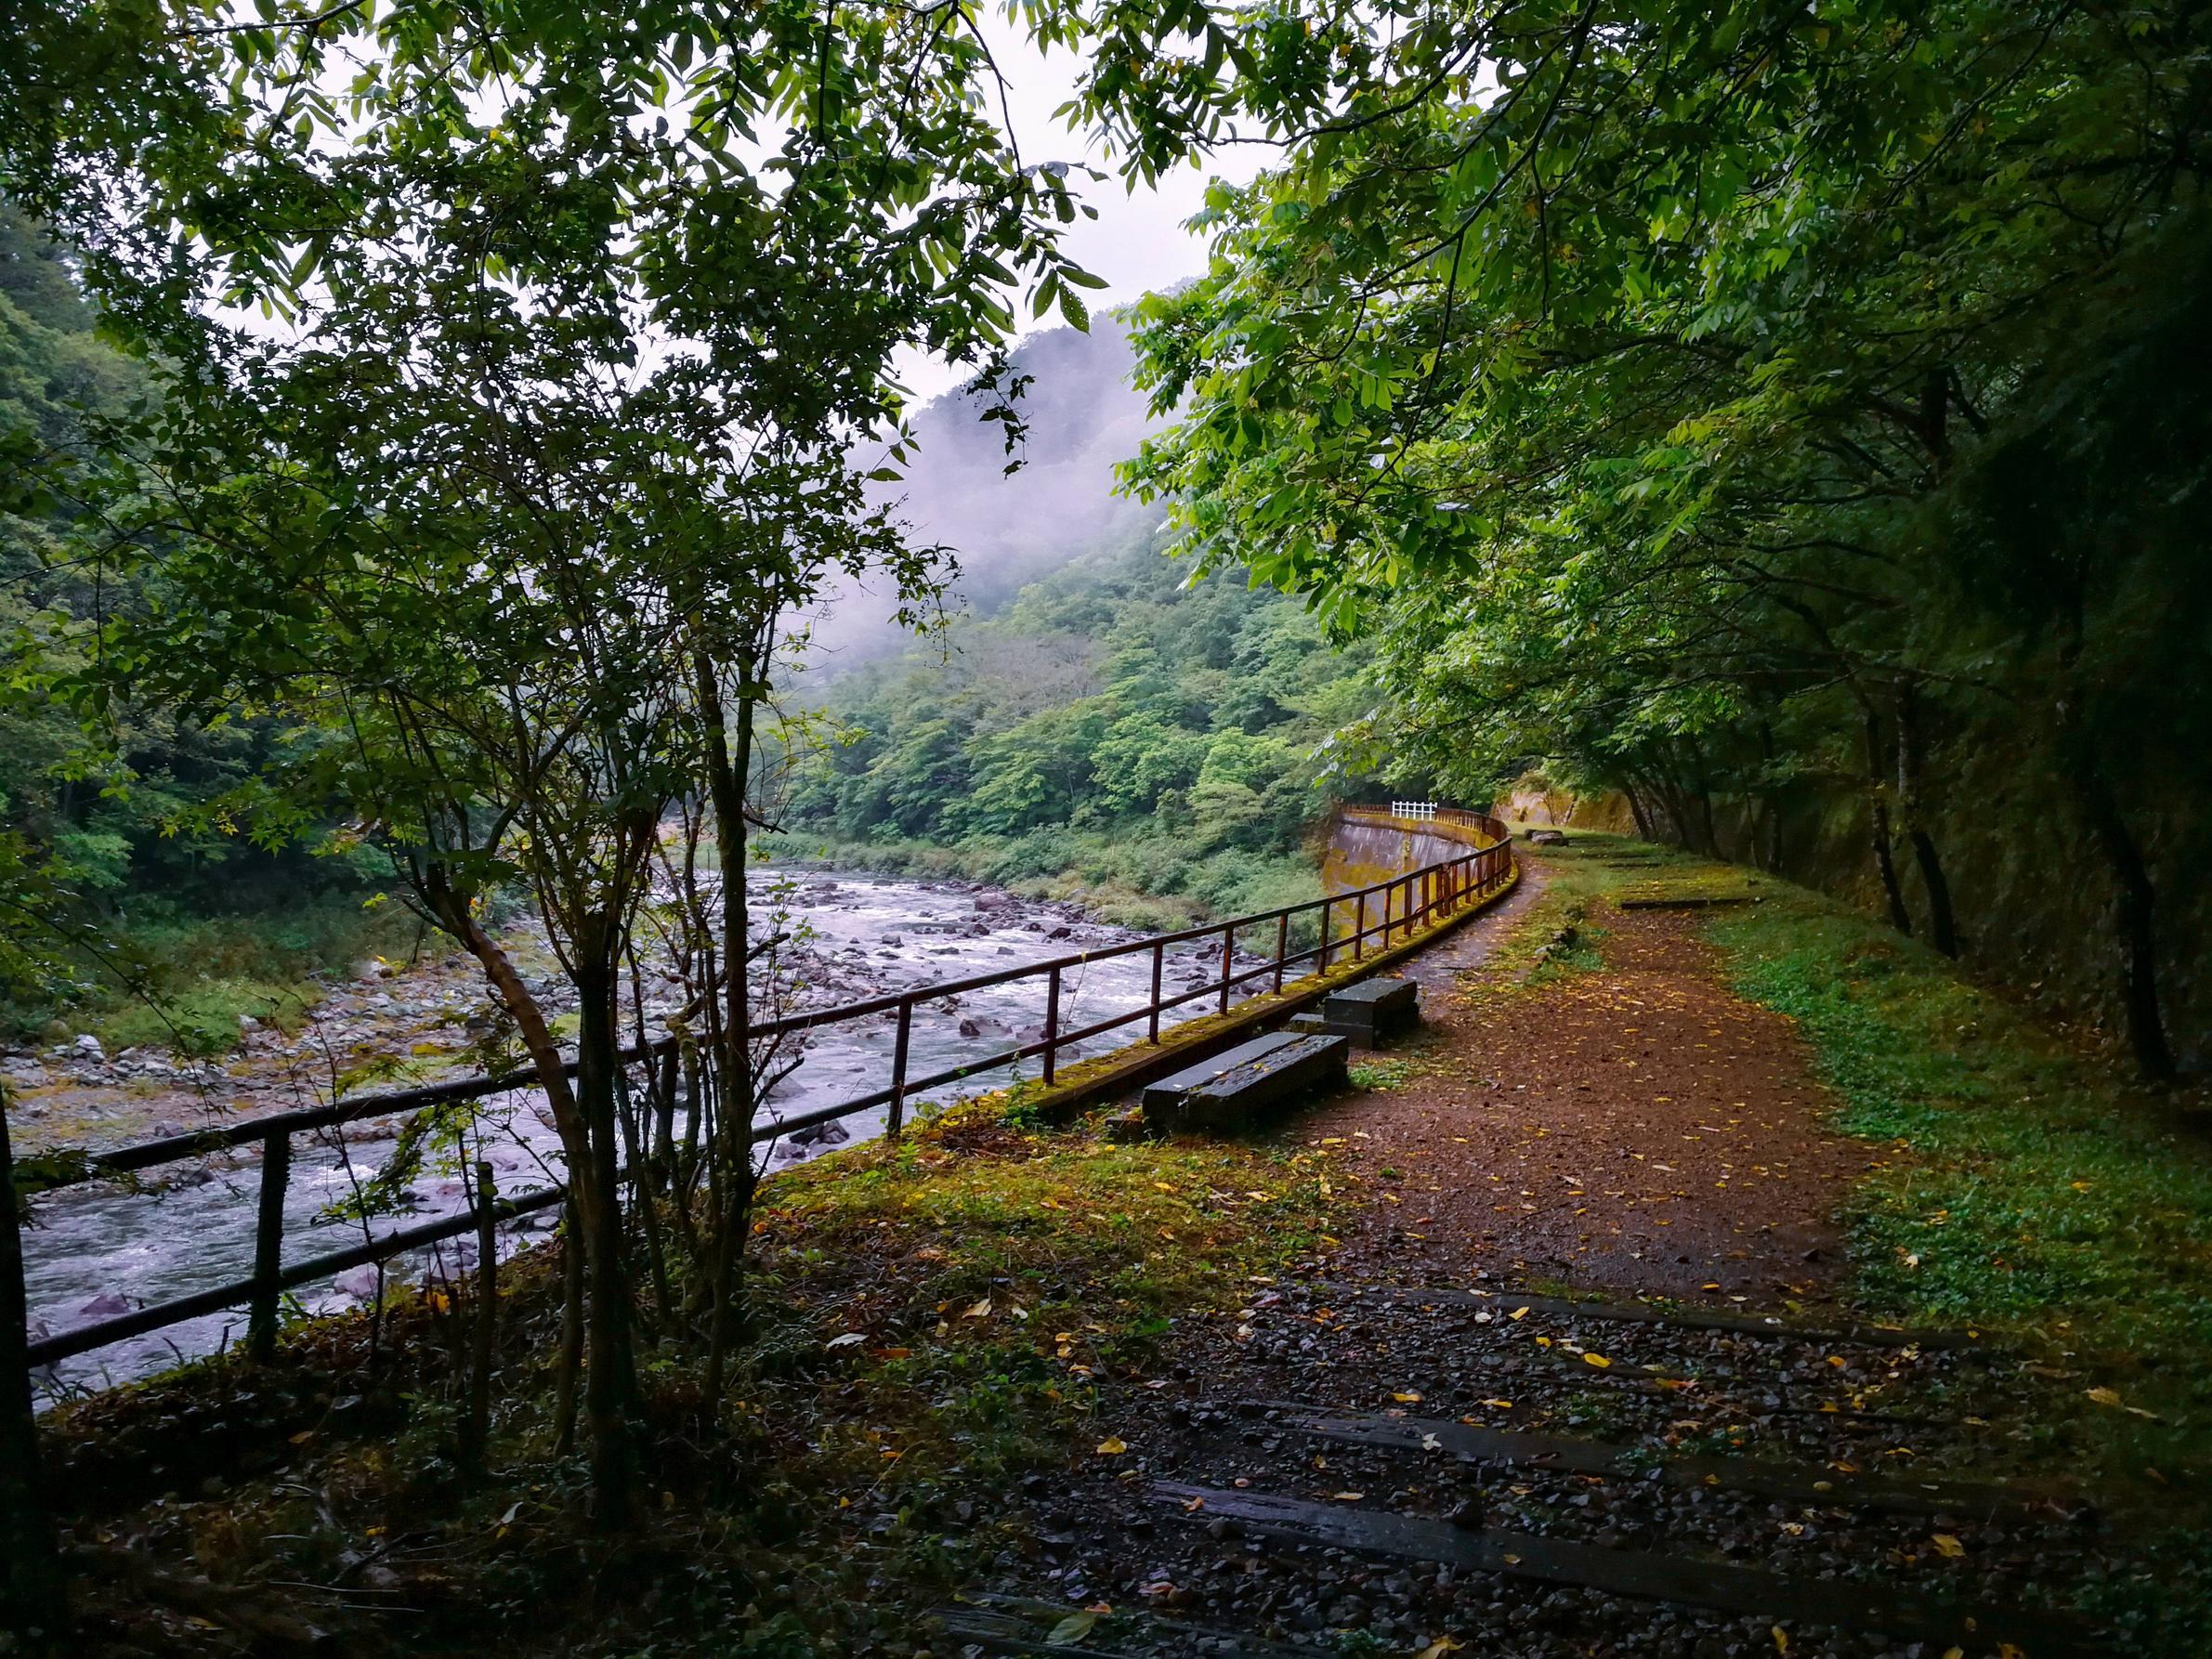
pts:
pixel 1635 1128
pixel 1406 1448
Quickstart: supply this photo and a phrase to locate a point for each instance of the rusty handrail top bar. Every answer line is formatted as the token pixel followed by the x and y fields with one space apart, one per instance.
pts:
pixel 147 1154
pixel 890 1001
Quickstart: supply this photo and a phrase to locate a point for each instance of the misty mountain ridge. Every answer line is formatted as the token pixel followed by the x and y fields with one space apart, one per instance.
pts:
pixel 1006 530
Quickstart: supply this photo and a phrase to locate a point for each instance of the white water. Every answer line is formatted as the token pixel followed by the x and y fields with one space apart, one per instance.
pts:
pixel 97 1252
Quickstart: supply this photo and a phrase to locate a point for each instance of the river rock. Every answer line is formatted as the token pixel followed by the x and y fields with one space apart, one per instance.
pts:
pixel 821 1134
pixel 88 1047
pixel 360 1284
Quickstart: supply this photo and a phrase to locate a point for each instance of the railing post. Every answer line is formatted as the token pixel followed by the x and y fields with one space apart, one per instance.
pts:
pixel 1327 940
pixel 1359 922
pixel 1159 961
pixel 1228 950
pixel 1282 948
pixel 1052 1020
pixel 268 1246
pixel 476 1433
pixel 899 1068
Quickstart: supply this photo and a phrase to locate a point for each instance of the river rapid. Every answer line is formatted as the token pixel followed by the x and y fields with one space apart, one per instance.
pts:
pixel 96 1251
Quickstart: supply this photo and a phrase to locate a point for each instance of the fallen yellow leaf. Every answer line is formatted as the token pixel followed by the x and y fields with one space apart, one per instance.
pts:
pixel 1112 1446
pixel 2105 1396
pixel 1599 1359
pixel 1781 1639
pixel 1408 1398
pixel 1947 1544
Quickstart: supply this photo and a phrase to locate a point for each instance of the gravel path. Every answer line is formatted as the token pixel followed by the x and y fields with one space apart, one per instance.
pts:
pixel 1346 1462
pixel 1635 1128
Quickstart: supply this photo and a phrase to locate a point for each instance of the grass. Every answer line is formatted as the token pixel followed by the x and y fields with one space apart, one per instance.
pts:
pixel 1381 1076
pixel 205 971
pixel 938 1316
pixel 934 1319
pixel 2033 1187
pixel 2042 1189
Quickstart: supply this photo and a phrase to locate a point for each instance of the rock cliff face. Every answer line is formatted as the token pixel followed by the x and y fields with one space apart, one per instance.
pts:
pixel 1607 810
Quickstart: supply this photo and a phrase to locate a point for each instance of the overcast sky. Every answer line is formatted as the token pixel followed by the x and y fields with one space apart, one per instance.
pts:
pixel 1137 243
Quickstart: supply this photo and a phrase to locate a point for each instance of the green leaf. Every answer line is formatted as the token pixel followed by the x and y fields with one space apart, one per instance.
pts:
pixel 1072 1629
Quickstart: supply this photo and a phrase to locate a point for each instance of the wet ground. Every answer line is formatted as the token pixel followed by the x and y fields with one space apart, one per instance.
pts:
pixel 1459 1428
pixel 1637 1128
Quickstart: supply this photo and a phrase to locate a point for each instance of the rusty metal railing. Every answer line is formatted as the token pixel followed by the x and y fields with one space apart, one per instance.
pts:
pixel 1350 923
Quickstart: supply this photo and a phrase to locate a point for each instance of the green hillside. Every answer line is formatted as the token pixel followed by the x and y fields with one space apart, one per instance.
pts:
pixel 1111 724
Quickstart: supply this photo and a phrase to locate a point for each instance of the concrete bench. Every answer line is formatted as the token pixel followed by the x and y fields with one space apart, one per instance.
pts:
pixel 1234 1087
pixel 1366 1013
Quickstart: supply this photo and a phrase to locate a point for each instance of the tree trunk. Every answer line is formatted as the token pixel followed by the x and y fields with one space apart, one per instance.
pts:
pixel 31 1601
pixel 571 1349
pixel 1770 796
pixel 475 1439
pixel 2136 916
pixel 1878 807
pixel 1885 861
pixel 727 764
pixel 584 1116
pixel 610 1377
pixel 1671 799
pixel 1942 928
pixel 1638 812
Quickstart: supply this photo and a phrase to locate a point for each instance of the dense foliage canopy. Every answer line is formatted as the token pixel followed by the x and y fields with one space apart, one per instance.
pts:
pixel 1111 695
pixel 1741 406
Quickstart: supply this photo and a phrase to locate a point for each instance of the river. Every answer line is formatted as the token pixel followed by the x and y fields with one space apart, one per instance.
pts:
pixel 99 1250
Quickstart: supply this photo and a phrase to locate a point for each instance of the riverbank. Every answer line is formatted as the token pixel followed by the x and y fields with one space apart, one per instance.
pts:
pixel 103 1249
pixel 1153 883
pixel 974 1352
pixel 428 1018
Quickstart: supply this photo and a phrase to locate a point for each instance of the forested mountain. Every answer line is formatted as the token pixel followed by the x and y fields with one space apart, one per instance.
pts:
pixel 119 818
pixel 1171 737
pixel 1006 513
pixel 1009 515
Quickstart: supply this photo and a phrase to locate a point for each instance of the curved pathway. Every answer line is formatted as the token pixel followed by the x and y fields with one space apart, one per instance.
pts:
pixel 1428 1441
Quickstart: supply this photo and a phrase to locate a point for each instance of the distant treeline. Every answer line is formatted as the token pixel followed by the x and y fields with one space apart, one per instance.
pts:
pixel 123 813
pixel 1176 736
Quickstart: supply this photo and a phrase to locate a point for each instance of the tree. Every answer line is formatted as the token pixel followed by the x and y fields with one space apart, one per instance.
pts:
pixel 1607 362
pixel 548 434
